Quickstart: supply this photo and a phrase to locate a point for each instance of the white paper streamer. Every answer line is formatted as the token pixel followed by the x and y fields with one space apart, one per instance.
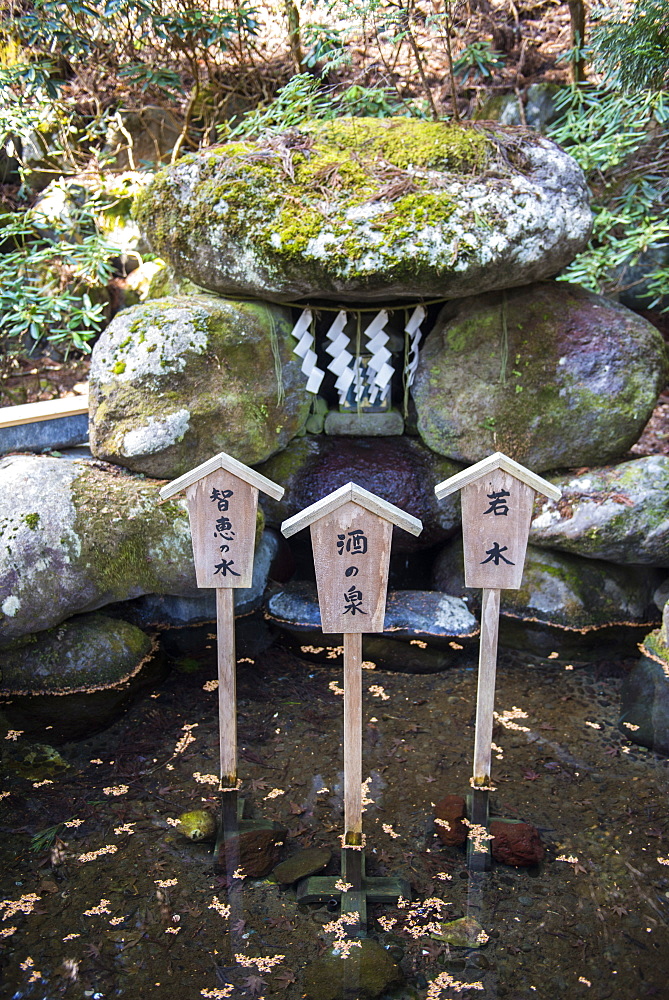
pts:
pixel 305 350
pixel 337 347
pixel 414 332
pixel 379 369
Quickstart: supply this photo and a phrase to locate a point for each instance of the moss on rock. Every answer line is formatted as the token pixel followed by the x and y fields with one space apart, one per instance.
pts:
pixel 86 653
pixel 101 537
pixel 550 374
pixel 367 206
pixel 619 513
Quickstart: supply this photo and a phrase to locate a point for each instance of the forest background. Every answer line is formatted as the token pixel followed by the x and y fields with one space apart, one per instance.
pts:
pixel 79 82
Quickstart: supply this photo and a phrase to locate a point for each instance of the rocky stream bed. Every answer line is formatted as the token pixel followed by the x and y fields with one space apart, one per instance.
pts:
pixel 102 897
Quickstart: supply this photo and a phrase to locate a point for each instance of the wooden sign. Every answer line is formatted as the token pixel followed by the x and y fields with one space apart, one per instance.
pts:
pixel 351 531
pixel 351 556
pixel 222 497
pixel 222 510
pixel 497 498
pixel 496 515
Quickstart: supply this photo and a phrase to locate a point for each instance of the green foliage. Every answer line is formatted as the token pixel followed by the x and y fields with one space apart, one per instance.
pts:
pixel 477 59
pixel 156 46
pixel 304 98
pixel 44 839
pixel 622 144
pixel 121 30
pixel 630 43
pixel 325 47
pixel 48 284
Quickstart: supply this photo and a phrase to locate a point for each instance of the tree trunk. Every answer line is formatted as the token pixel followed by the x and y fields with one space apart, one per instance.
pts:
pixel 294 37
pixel 577 17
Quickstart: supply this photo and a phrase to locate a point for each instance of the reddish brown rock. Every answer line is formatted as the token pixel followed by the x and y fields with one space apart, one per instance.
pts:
pixel 256 852
pixel 449 814
pixel 516 844
pixel 395 468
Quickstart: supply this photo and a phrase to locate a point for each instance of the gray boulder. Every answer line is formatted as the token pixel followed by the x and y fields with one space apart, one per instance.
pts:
pixel 399 469
pixel 551 374
pixel 370 209
pixel 74 537
pixel 425 632
pixel 538 103
pixel 619 513
pixel 174 609
pixel 576 606
pixel 176 380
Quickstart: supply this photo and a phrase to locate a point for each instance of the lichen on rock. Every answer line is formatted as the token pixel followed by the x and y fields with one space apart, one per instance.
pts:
pixel 619 513
pixel 369 209
pixel 178 379
pixel 101 538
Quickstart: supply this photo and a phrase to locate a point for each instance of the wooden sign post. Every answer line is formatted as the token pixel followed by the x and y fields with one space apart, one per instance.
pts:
pixel 222 498
pixel 351 531
pixel 497 498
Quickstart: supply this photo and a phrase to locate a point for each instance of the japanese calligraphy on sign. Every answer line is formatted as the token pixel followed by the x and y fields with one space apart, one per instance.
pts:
pixel 351 555
pixel 222 510
pixel 496 514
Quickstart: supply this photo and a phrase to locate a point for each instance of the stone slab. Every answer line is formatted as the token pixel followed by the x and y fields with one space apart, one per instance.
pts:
pixel 60 432
pixel 364 424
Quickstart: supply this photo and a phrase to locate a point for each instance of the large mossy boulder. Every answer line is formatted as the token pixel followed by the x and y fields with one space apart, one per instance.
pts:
pixel 74 538
pixel 84 654
pixel 619 513
pixel 399 469
pixel 176 380
pixel 550 374
pixel 370 209
pixel 583 608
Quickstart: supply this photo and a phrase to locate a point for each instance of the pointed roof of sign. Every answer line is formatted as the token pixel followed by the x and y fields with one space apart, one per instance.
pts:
pixel 358 495
pixel 230 464
pixel 496 461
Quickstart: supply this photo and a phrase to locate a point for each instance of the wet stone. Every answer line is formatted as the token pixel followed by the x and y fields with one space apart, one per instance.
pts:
pixel 197 825
pixel 78 675
pixel 619 513
pixel 394 468
pixel 517 844
pixel 304 863
pixel 585 608
pixel 367 972
pixel 449 814
pixel 465 932
pixel 364 424
pixel 569 396
pixel 419 628
pixel 644 708
pixel 255 852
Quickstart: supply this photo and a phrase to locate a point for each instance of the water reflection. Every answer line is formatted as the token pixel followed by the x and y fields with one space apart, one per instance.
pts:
pixel 114 902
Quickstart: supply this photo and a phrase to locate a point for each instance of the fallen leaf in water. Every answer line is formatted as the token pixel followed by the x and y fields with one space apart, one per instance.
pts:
pixel 284 979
